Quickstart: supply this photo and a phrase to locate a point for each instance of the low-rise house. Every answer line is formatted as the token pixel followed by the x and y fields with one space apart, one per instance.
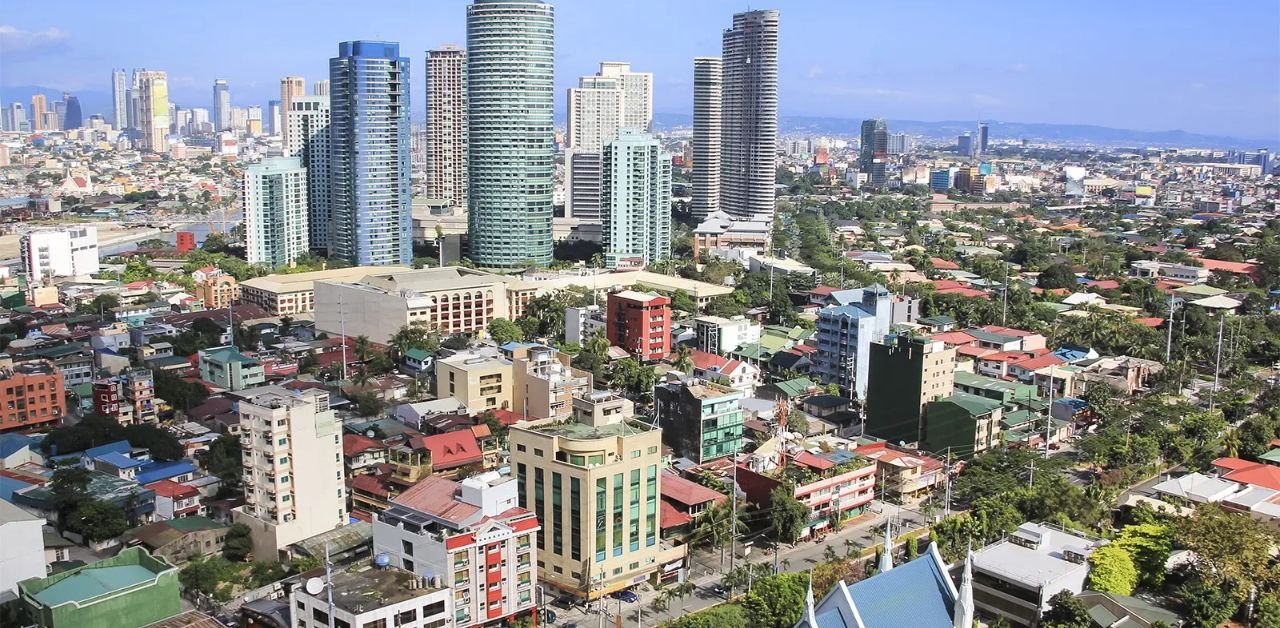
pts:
pixel 175 501
pixel 229 369
pixel 413 414
pixel 736 374
pixel 179 540
pixel 1197 488
pixel 373 597
pixel 903 474
pixel 683 501
pixel 360 452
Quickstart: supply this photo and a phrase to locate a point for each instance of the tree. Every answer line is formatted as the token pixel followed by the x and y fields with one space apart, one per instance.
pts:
pixel 1232 552
pixel 797 422
pixel 369 404
pixel 363 348
pixel 68 487
pixel 1267 614
pixel 776 601
pixel 97 520
pixel 1206 606
pixel 717 526
pixel 1112 570
pixel 413 336
pixel 714 617
pixel 786 514
pixel 503 331
pixel 1149 544
pixel 682 302
pixel 182 394
pixel 238 543
pixel 683 361
pixel 1057 276
pixel 1066 611
pixel 223 459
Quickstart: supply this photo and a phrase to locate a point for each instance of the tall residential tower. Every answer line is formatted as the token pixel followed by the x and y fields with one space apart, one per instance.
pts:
pixel 153 101
pixel 291 87
pixel 275 211
pixel 119 100
pixel 707 82
pixel 221 106
pixel 308 124
pixel 447 125
pixel 510 156
pixel 749 115
pixel 636 181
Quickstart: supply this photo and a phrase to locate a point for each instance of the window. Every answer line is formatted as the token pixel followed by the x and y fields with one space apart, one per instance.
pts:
pixel 432 609
pixel 407 563
pixel 408 616
pixel 406 547
pixel 377 623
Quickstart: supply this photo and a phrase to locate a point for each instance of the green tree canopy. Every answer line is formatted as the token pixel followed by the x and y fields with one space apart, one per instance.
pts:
pixel 786 514
pixel 503 331
pixel 1057 276
pixel 238 543
pixel 97 520
pixel 1232 552
pixel 1111 570
pixel 1066 611
pixel 776 601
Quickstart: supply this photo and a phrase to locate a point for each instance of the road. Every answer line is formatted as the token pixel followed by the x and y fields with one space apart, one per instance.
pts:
pixel 707 571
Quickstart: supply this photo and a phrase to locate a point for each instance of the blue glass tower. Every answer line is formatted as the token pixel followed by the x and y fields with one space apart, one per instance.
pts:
pixel 369 165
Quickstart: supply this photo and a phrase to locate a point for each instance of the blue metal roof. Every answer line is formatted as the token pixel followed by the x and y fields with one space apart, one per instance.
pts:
pixel 156 471
pixel 912 594
pixel 8 485
pixel 120 447
pixel 13 443
pixel 119 460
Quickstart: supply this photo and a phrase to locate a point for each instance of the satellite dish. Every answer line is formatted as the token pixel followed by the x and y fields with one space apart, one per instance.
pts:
pixel 314 586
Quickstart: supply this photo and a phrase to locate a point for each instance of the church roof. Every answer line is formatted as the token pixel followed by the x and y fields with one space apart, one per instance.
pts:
pixel 918 593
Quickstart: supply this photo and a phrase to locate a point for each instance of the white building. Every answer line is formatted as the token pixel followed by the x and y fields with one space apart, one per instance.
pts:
pixel 720 335
pixel 613 99
pixel 275 212
pixel 293 484
pixel 153 103
pixel 635 200
pixel 364 597
pixel 452 299
pixel 581 323
pixel 21 549
pixel 447 125
pixel 70 252
pixel 307 120
pixel 1015 577
pixel 707 82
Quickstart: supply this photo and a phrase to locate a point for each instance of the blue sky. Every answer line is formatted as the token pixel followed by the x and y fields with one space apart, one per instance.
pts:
pixel 1210 67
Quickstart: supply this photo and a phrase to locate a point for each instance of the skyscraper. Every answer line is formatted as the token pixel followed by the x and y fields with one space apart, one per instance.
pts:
pixel 221 106
pixel 707 83
pixel 153 88
pixel 446 144
pixel 294 87
pixel 749 115
pixel 982 138
pixel 874 151
pixel 39 105
pixel 308 123
pixel 119 100
pixel 510 93
pixel 15 118
pixel 636 185
pixel 275 115
pixel 320 88
pixel 598 107
pixel 964 145
pixel 72 119
pixel 369 167
pixel 275 211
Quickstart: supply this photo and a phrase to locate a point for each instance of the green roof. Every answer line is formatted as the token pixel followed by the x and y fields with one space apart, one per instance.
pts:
pixel 59 351
pixel 982 334
pixel 415 353
pixel 228 354
pixel 794 387
pixel 1271 456
pixel 188 524
pixel 1200 290
pixel 93 582
pixel 751 351
pixel 1017 418
pixel 973 380
pixel 938 320
pixel 972 404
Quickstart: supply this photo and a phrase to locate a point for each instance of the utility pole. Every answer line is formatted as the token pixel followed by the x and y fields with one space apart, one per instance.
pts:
pixel 1168 343
pixel 342 323
pixel 733 537
pixel 946 506
pixel 1004 306
pixel 1217 366
pixel 1031 479
pixel 1048 419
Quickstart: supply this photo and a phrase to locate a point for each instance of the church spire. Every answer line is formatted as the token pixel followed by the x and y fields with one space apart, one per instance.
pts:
pixel 963 615
pixel 886 556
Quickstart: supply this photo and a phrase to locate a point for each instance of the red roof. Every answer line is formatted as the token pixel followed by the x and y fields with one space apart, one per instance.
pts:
pixel 353 444
pixel 451 449
pixel 954 338
pixel 942 264
pixel 964 292
pixel 509 417
pixel 823 291
pixel 1232 464
pixel 434 495
pixel 371 484
pixel 1033 364
pixel 1105 284
pixel 814 462
pixel 973 352
pixel 687 492
pixel 1257 474
pixel 672 517
pixel 172 490
pixel 1006 331
pixel 1152 322
pixel 1239 268
pixel 704 361
pixel 947 284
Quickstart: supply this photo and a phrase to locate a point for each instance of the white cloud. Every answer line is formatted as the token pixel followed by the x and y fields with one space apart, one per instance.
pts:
pixel 815 72
pixel 13 39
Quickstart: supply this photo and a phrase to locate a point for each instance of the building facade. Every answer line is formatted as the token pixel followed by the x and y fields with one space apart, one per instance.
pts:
pixel 545 383
pixel 129 398
pixel 286 295
pixel 370 222
pixel 510 97
pixel 479 380
pixel 69 252
pixel 291 443
pixel 372 598
pixel 874 151
pixel 132 588
pixel 639 323
pixel 218 292
pixel 749 115
pixel 447 125
pixel 221 106
pixel 275 212
pixel 451 300
pixel 719 335
pixel 291 87
pixel 700 420
pixel 904 374
pixel 228 368
pixel 707 108
pixel 119 100
pixel 153 94
pixel 844 336
pixel 636 184
pixel 307 121
pixel 32 396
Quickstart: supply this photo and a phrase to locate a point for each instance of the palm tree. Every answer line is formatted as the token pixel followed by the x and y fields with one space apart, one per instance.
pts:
pixel 684 359
pixel 362 348
pixel 718 526
pixel 683 591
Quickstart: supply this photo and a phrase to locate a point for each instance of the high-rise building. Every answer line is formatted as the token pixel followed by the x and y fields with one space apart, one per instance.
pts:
pixel 369 168
pixel 39 105
pixel 60 108
pixel 749 115
pixel 253 120
pixel 594 483
pixel 701 420
pixel 510 152
pixel 275 211
pixel 905 373
pixel 320 88
pixel 982 138
pixel 65 252
pixel 275 116
pixel 293 486
pixel 16 118
pixel 153 88
pixel 221 106
pixel 295 87
pixel 601 104
pixel 707 83
pixel 446 146
pixel 37 390
pixel 129 398
pixel 964 145
pixel 874 151
pixel 845 333
pixel 119 100
pixel 308 122
pixel 899 144
pixel 49 121
pixel 134 109
pixel 636 185
pixel 637 94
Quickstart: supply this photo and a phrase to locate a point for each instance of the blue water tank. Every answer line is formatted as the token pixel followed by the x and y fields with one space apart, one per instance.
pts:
pixel 382 561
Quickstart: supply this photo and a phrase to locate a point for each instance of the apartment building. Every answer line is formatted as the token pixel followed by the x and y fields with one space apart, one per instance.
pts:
pixel 32 396
pixel 1014 577
pixel 481 379
pixel 545 383
pixel 844 337
pixel 452 300
pixel 701 420
pixel 371 598
pixel 128 398
pixel 905 373
pixel 962 423
pixel 291 442
pixel 69 252
pixel 721 335
pixel 473 536
pixel 581 323
pixel 228 368
pixel 218 292
pixel 835 485
pixel 639 323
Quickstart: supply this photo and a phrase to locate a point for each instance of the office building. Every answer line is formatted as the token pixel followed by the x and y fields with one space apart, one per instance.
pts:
pixel 294 87
pixel 229 369
pixel 39 106
pixel 49 121
pixel 129 398
pixel 904 374
pixel 15 118
pixel 612 99
pixel 293 488
pixel 846 331
pixel 309 140
pixel 593 483
pixel 372 598
pixel 153 99
pixel 294 293
pixel 1015 577
pixel 447 125
pixel 964 145
pixel 473 536
pixel 749 115
pixel 701 420
pixel 451 300
pixel 899 144
pixel 275 212
pixel 72 118
pixel 636 184
pixel 874 151
pixel 707 84
pixel 221 106
pixel 940 180
pixel 132 588
pixel 66 252
pixel 275 117
pixel 545 383
pixel 32 396
pixel 640 324
pixel 369 163
pixel 320 88
pixel 510 93
pixel 119 100
pixel 981 147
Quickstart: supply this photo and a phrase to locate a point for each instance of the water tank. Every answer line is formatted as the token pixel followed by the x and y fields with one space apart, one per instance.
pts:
pixel 382 561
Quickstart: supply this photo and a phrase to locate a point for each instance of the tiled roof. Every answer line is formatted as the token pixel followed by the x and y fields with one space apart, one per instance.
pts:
pixel 353 444
pixel 687 492
pixel 434 495
pixel 169 488
pixel 452 449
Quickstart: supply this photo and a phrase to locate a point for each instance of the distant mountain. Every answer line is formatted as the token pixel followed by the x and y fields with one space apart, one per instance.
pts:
pixel 949 129
pixel 91 101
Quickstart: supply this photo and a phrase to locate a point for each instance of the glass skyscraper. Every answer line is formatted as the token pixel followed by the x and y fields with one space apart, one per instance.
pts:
pixel 369 162
pixel 510 157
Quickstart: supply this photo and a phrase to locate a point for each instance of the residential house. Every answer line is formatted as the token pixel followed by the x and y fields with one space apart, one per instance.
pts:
pixel 179 540
pixel 831 484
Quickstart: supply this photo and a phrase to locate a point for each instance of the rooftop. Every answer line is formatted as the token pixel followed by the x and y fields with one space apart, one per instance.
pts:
pixel 574 430
pixel 306 281
pixel 1034 555
pixel 368 589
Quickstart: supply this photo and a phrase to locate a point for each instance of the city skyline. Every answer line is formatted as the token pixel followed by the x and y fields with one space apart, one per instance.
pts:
pixel 1205 81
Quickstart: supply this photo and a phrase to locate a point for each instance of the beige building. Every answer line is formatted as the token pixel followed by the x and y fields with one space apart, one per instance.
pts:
pixel 292 459
pixel 447 125
pixel 218 292
pixel 594 483
pixel 287 295
pixel 545 384
pixel 291 87
pixel 153 98
pixel 452 300
pixel 480 379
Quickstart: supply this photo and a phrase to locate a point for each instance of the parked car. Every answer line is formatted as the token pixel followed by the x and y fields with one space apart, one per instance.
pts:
pixel 625 596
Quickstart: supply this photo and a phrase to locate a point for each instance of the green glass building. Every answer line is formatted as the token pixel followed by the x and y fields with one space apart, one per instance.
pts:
pixel 510 154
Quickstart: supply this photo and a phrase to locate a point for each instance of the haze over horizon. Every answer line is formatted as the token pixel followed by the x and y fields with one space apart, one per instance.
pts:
pixel 1115 65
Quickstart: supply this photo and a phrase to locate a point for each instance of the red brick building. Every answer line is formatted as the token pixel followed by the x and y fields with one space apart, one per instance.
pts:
pixel 32 396
pixel 186 241
pixel 640 323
